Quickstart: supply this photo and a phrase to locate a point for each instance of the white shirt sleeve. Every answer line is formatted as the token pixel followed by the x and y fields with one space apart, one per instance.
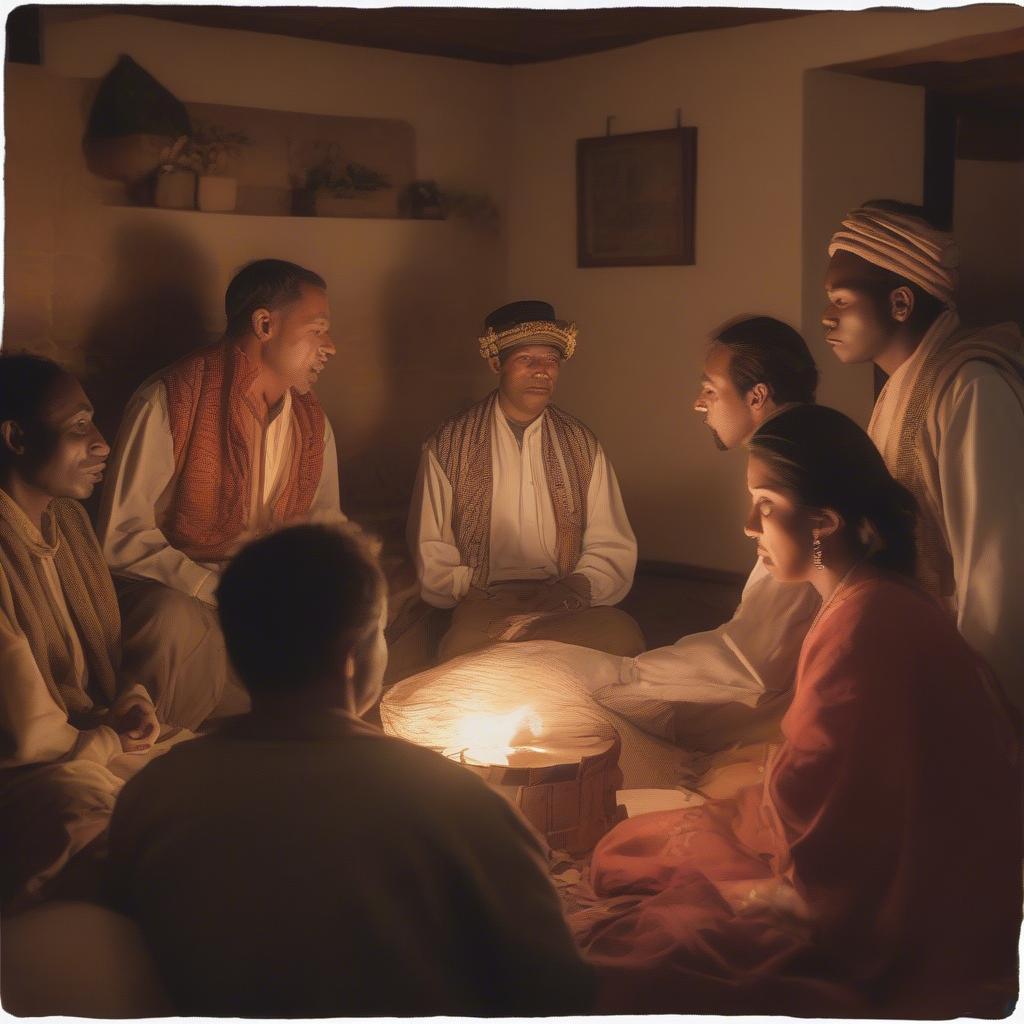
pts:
pixel 752 654
pixel 609 546
pixel 33 727
pixel 981 435
pixel 327 497
pixel 140 469
pixel 444 580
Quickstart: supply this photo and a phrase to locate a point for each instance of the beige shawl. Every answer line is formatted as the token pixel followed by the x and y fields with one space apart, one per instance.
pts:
pixel 67 536
pixel 944 350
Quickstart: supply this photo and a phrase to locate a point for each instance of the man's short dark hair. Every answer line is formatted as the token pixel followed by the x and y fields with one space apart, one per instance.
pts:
pixel 25 381
pixel 264 284
pixel 770 352
pixel 926 306
pixel 295 603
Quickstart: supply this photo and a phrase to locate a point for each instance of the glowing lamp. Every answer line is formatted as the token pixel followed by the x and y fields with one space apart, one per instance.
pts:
pixel 518 716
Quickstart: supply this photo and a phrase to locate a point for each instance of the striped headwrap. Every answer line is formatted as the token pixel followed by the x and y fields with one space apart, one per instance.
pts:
pixel 904 245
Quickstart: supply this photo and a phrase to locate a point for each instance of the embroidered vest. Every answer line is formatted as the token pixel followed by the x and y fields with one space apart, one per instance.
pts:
pixel 462 447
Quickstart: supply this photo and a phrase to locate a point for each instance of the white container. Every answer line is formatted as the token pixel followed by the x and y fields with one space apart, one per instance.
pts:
pixel 175 190
pixel 216 195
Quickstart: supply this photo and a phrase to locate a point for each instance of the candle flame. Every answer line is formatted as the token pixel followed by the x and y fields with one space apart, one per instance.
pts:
pixel 492 739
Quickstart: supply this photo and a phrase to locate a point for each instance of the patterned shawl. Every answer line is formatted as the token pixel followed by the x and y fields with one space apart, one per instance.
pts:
pixel 214 425
pixel 462 447
pixel 88 590
pixel 944 351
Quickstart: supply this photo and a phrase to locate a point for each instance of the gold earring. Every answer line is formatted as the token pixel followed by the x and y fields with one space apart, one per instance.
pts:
pixel 816 553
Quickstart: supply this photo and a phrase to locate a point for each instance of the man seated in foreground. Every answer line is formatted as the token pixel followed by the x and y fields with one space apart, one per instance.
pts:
pixel 299 863
pixel 71 724
pixel 517 522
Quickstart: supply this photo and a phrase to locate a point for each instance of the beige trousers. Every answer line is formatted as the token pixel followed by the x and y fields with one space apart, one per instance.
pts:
pixel 507 611
pixel 53 820
pixel 48 814
pixel 173 645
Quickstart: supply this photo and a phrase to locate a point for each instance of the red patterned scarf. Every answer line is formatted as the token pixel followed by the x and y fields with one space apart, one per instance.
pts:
pixel 215 424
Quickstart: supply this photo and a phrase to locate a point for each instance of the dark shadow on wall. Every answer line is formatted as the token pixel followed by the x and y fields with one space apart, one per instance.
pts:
pixel 427 357
pixel 152 311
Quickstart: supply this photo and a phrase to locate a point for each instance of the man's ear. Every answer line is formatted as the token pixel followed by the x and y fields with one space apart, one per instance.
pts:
pixel 827 522
pixel 758 396
pixel 12 437
pixel 901 304
pixel 495 364
pixel 262 323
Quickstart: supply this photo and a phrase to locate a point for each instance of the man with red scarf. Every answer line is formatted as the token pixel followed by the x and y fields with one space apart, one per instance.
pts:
pixel 219 448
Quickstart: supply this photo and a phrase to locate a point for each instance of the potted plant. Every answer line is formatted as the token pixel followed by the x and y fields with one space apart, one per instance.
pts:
pixel 208 152
pixel 477 208
pixel 329 177
pixel 175 185
pixel 426 200
pixel 422 200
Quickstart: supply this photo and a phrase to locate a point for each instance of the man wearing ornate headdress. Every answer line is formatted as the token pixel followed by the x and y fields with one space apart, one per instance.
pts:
pixel 949 421
pixel 517 521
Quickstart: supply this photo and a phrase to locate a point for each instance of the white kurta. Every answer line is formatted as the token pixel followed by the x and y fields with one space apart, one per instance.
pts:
pixel 139 487
pixel 523 536
pixel 51 582
pixel 753 654
pixel 975 432
pixel 34 728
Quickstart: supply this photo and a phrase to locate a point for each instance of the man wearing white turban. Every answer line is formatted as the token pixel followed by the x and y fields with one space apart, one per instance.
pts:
pixel 949 421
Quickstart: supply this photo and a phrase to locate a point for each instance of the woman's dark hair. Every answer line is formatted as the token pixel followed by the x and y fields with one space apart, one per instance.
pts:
pixel 264 284
pixel 295 601
pixel 770 352
pixel 827 461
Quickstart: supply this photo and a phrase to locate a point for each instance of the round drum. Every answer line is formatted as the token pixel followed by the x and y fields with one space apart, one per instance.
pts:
pixel 520 716
pixel 572 805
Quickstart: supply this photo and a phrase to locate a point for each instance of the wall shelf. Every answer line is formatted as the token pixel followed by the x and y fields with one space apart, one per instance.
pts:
pixel 236 214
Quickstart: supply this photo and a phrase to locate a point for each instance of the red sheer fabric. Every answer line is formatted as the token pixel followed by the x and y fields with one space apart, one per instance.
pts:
pixel 877 872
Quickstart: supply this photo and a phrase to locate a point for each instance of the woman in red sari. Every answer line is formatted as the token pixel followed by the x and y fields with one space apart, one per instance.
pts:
pixel 877 871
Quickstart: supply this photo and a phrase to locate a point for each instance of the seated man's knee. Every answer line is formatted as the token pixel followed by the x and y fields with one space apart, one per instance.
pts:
pixel 173 645
pixel 51 816
pixel 619 631
pixel 153 603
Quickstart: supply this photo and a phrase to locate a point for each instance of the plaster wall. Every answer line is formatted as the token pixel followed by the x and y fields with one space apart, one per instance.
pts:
pixel 642 330
pixel 119 292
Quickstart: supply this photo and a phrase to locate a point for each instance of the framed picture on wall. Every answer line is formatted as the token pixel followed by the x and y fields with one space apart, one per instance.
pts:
pixel 636 199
